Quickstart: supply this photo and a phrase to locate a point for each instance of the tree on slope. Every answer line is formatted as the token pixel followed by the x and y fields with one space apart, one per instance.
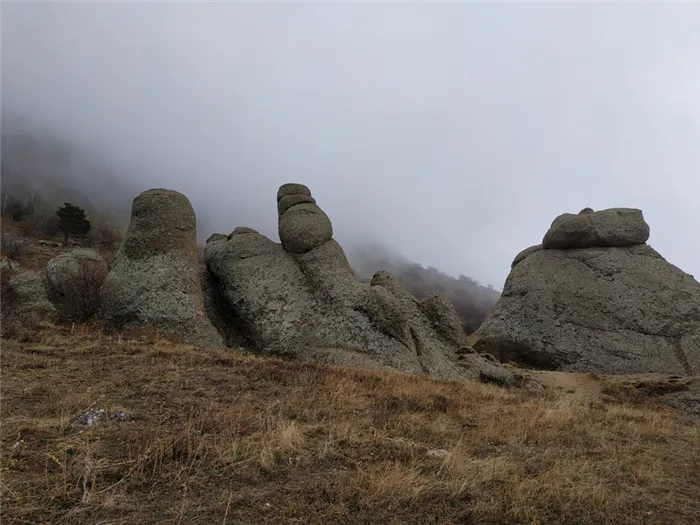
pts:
pixel 72 222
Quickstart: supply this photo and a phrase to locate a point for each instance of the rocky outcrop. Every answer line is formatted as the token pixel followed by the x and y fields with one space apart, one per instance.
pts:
pixel 74 282
pixel 302 298
pixel 594 298
pixel 8 266
pixel 224 318
pixel 65 271
pixel 155 279
pixel 29 298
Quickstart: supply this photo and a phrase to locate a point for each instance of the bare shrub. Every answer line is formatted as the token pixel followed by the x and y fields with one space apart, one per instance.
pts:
pixel 13 246
pixel 82 298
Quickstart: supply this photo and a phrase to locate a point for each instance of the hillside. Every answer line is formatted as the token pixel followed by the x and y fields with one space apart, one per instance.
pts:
pixel 41 170
pixel 219 436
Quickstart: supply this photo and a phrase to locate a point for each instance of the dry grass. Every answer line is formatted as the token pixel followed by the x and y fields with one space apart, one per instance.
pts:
pixel 219 437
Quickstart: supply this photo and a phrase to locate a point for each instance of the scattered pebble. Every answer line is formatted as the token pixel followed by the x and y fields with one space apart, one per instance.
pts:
pixel 97 415
pixel 438 453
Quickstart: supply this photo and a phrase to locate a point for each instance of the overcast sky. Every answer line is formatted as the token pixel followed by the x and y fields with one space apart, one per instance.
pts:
pixel 454 132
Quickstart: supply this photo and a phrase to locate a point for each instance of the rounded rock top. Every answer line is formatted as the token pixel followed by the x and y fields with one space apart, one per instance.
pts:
pixel 603 228
pixel 292 188
pixel 162 220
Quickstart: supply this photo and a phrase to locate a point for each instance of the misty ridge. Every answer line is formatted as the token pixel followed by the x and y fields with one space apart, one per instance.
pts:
pixel 41 171
pixel 39 166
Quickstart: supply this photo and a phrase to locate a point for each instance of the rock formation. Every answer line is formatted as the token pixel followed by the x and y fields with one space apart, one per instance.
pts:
pixel 8 266
pixel 594 298
pixel 73 277
pixel 302 298
pixel 29 298
pixel 155 279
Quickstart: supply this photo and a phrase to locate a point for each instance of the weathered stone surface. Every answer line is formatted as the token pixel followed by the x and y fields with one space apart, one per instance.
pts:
pixel 444 319
pixel 8 266
pixel 302 298
pixel 216 237
pixel 29 297
pixel 612 227
pixel 302 225
pixel 156 278
pixel 615 310
pixel 239 230
pixel 686 399
pixel 525 253
pixel 288 201
pixel 66 270
pixel 292 188
pixel 224 319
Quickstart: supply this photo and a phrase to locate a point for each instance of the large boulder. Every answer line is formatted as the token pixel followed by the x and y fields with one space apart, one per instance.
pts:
pixel 8 266
pixel 65 271
pixel 613 310
pixel 588 229
pixel 302 298
pixel 74 282
pixel 155 279
pixel 28 297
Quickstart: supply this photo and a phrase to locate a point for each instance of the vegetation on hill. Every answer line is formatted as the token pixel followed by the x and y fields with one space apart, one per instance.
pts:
pixel 218 436
pixel 39 172
pixel 72 222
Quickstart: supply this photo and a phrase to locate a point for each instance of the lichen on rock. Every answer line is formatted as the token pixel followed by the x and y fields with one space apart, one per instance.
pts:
pixel 302 298
pixel 156 279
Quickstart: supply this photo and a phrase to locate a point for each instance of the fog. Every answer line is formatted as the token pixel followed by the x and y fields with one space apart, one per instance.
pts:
pixel 453 133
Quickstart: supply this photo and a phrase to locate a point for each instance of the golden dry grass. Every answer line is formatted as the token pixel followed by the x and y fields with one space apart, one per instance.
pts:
pixel 220 437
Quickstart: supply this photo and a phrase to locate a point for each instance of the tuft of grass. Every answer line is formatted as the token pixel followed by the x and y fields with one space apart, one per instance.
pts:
pixel 218 436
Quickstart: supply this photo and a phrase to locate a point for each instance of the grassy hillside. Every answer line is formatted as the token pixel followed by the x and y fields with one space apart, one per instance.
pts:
pixel 225 437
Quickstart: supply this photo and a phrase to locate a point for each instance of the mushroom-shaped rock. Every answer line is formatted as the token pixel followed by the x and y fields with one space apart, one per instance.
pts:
pixel 155 279
pixel 301 297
